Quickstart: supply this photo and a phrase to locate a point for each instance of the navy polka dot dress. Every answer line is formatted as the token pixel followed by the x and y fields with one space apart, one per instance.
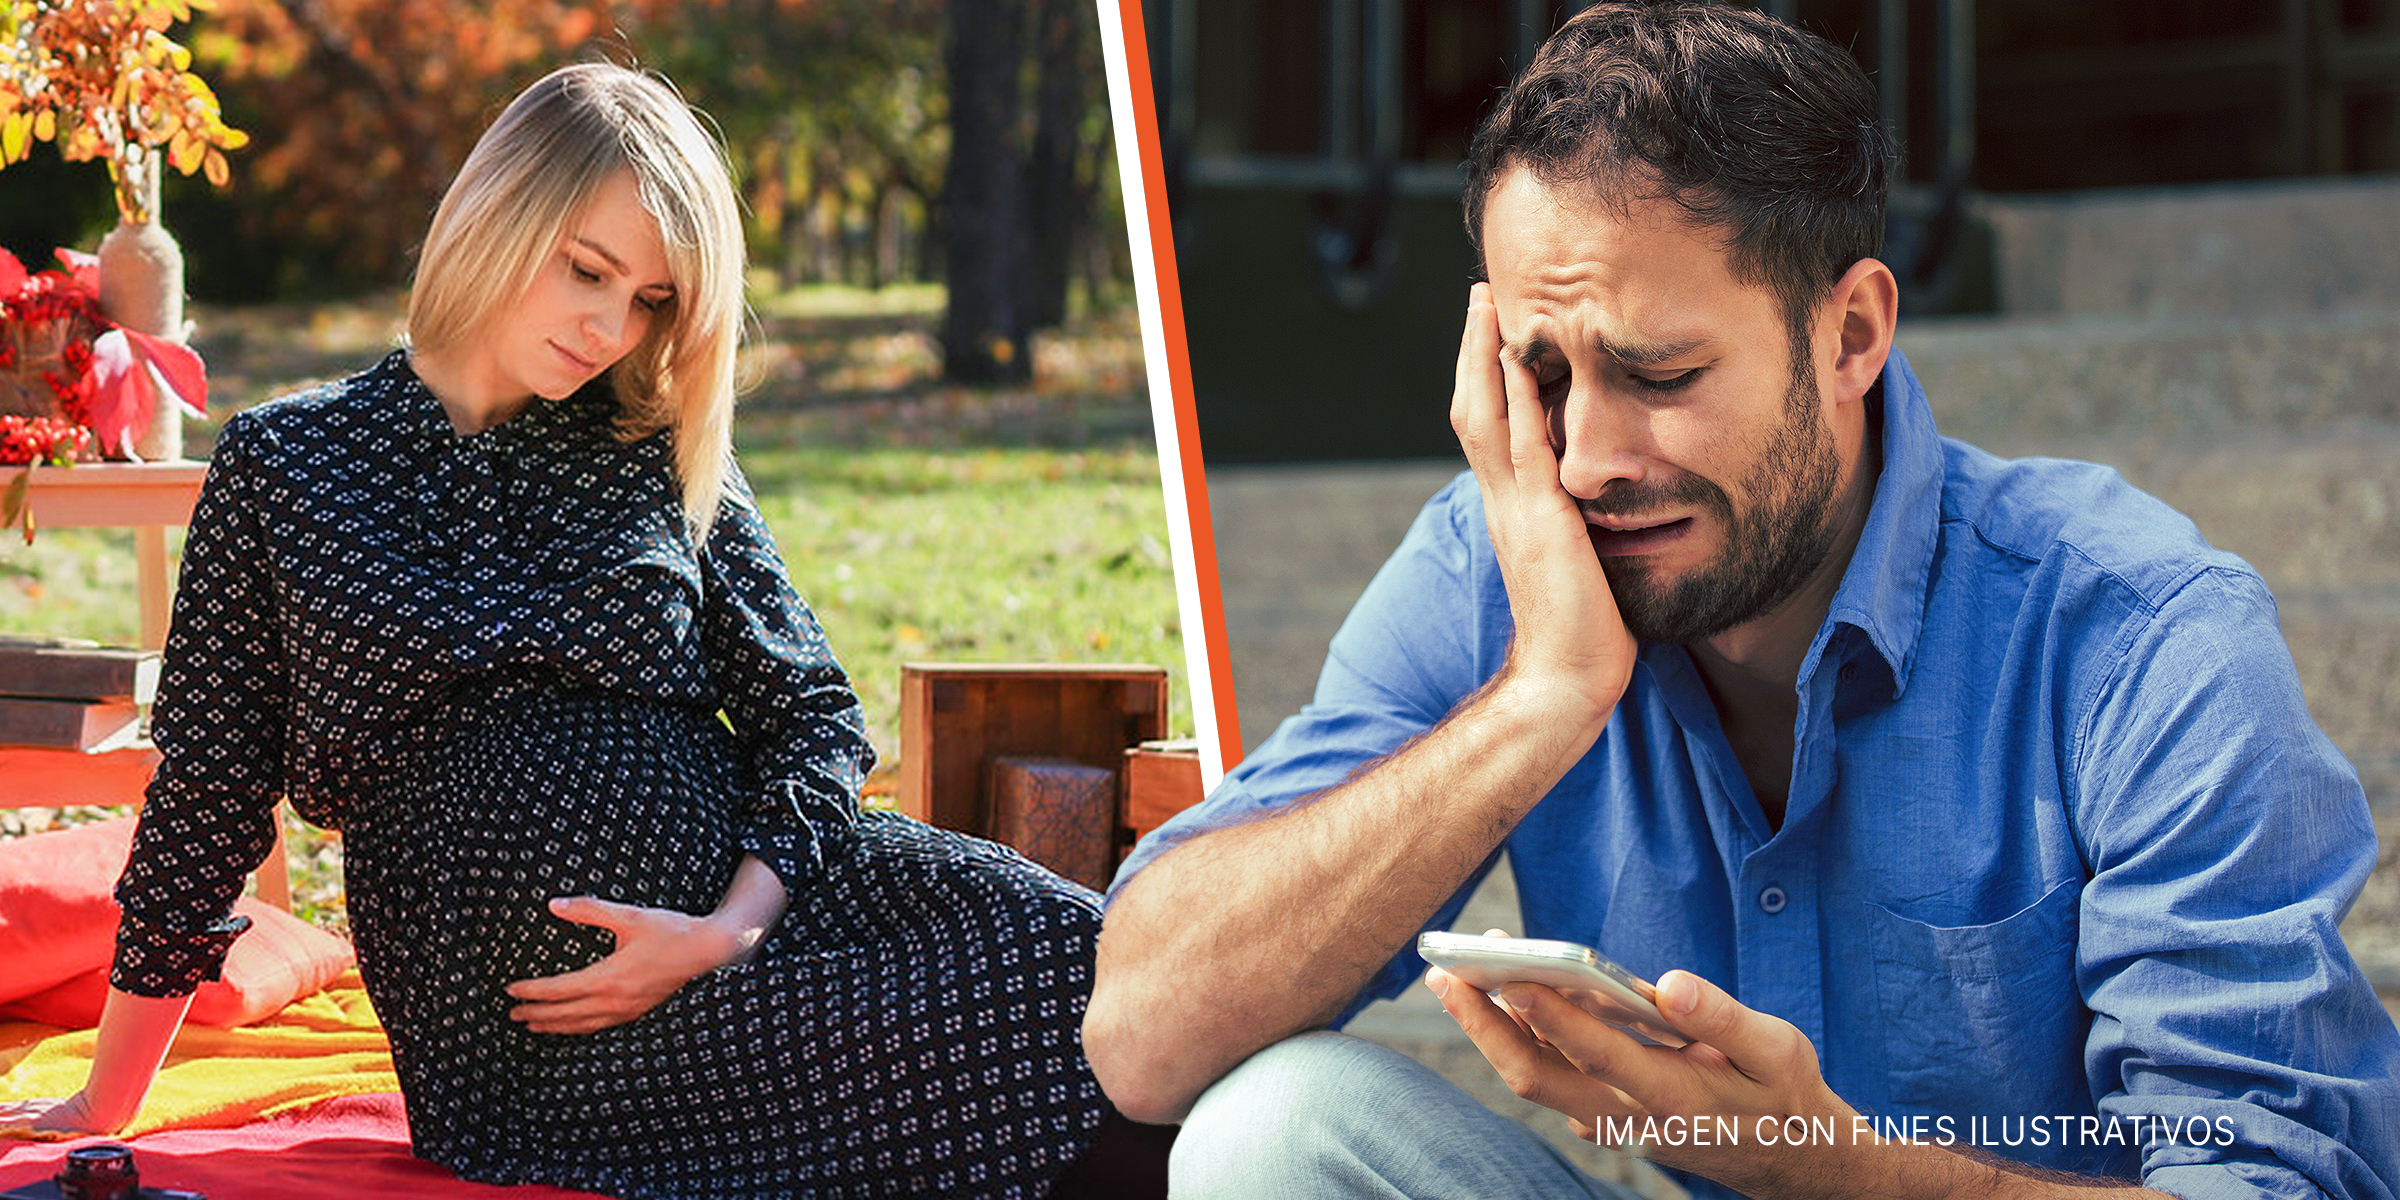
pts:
pixel 497 663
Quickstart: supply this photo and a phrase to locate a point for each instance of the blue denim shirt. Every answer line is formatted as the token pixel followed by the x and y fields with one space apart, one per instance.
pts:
pixel 2062 840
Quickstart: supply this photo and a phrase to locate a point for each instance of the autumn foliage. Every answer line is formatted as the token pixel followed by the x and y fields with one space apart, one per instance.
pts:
pixel 102 79
pixel 840 117
pixel 364 108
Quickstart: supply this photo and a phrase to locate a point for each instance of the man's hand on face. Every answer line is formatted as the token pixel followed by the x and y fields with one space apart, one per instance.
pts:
pixel 1741 1065
pixel 1570 645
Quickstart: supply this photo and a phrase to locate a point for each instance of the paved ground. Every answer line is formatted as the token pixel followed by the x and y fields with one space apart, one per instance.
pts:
pixel 2298 473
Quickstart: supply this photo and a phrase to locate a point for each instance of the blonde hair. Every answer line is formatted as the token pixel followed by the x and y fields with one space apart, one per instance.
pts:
pixel 530 175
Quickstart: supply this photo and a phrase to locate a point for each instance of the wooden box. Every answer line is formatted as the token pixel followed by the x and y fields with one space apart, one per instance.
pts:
pixel 1161 779
pixel 955 716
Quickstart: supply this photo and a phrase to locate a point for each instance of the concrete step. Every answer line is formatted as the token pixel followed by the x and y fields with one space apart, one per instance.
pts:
pixel 2372 930
pixel 1295 547
pixel 1997 378
pixel 2286 245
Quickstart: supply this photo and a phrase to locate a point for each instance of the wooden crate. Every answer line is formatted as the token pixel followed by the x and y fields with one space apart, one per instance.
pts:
pixel 1160 779
pixel 955 716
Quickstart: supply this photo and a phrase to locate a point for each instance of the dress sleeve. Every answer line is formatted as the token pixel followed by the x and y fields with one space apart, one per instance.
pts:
pixel 208 818
pixel 787 700
pixel 2227 838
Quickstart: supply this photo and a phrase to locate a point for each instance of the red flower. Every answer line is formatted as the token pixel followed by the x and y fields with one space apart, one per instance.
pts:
pixel 130 369
pixel 84 269
pixel 45 440
pixel 108 380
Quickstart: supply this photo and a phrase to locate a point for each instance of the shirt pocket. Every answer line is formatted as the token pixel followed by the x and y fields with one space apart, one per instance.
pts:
pixel 1983 1018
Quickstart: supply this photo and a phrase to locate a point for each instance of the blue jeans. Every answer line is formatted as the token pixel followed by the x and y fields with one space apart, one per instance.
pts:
pixel 1326 1114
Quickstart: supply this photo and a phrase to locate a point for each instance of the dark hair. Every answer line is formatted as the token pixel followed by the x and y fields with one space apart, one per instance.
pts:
pixel 1756 129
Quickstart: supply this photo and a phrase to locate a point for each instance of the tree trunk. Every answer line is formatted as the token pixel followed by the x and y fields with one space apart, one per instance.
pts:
pixel 888 255
pixel 791 229
pixel 985 332
pixel 825 235
pixel 1057 201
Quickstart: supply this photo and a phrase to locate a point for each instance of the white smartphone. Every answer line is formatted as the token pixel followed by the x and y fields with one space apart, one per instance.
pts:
pixel 1580 973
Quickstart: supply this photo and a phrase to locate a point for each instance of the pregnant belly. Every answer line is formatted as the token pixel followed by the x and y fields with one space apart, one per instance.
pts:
pixel 546 793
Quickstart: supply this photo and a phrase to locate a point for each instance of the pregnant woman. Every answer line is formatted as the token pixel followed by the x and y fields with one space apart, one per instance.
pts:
pixel 481 607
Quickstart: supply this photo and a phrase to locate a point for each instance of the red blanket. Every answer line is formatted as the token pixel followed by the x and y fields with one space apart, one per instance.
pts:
pixel 349 1146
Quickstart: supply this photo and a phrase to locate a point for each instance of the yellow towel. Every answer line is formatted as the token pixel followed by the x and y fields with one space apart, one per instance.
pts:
pixel 319 1047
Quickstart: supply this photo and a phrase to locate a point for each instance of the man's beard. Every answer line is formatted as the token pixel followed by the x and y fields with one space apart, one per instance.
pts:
pixel 1770 552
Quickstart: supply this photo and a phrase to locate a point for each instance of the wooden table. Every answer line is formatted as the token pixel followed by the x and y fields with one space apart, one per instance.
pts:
pixel 148 497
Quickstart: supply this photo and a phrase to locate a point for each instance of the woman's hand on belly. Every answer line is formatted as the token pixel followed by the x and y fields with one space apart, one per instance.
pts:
pixel 658 950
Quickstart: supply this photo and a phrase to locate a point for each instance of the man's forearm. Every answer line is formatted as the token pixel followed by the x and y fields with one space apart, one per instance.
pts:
pixel 1252 933
pixel 1893 1172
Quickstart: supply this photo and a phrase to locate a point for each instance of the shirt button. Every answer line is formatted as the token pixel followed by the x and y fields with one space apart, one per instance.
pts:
pixel 1849 672
pixel 1773 899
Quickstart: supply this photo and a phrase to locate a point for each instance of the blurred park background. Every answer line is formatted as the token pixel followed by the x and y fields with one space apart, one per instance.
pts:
pixel 2158 234
pixel 945 417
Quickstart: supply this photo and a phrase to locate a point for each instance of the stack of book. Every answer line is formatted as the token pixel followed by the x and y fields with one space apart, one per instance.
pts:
pixel 68 695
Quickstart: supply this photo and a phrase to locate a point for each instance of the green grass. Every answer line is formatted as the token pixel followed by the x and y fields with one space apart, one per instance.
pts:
pixel 841 300
pixel 72 583
pixel 989 555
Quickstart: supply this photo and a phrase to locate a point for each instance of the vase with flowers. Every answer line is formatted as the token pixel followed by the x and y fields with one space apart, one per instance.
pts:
pixel 100 343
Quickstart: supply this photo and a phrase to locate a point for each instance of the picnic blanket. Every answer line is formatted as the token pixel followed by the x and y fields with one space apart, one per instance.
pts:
pixel 319 1047
pixel 303 1104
